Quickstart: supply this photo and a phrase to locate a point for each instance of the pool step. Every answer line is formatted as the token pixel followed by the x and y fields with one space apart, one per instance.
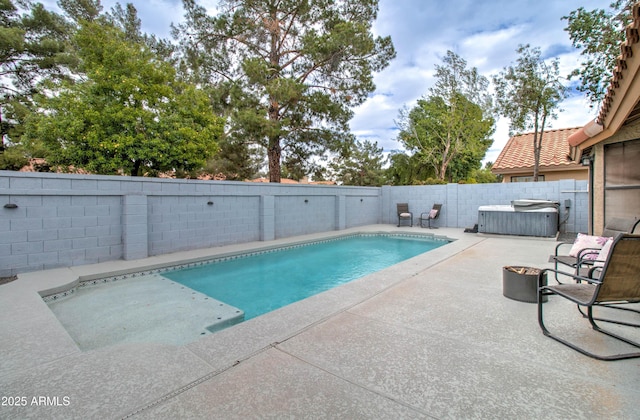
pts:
pixel 227 316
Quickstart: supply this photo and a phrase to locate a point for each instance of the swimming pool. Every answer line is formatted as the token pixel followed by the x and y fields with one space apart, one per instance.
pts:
pixel 262 282
pixel 148 306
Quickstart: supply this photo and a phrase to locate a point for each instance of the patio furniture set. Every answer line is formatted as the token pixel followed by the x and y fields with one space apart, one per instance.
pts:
pixel 600 272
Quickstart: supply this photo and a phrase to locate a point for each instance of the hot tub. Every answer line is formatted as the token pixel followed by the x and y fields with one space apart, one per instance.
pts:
pixel 505 220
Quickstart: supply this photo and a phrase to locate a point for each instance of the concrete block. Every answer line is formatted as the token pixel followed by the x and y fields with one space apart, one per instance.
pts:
pixel 85 243
pixel 71 233
pixel 26 248
pixel 20 183
pixel 149 187
pixel 170 188
pixel 116 251
pixel 84 200
pixel 4 181
pixel 97 210
pixel 111 220
pixel 25 201
pixel 109 186
pixel 135 229
pixel 134 219
pixel 13 237
pixel 97 231
pixel 72 211
pixel 43 258
pixel 56 184
pixel 58 245
pixel 109 240
pixel 13 214
pixel 187 187
pixel 13 264
pixel 84 184
pixel 98 254
pixel 41 212
pixel 70 257
pixel 84 221
pixel 25 224
pixel 42 235
pixel 56 223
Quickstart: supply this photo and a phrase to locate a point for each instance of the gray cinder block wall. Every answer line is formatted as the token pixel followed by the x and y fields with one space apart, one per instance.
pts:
pixel 461 201
pixel 65 220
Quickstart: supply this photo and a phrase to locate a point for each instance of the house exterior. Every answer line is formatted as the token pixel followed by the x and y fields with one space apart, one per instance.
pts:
pixel 515 163
pixel 610 145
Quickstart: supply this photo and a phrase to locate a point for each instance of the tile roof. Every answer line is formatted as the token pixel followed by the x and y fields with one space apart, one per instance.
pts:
pixel 518 152
pixel 632 36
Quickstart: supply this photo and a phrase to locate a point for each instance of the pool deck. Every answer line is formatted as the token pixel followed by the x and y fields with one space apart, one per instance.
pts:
pixel 432 337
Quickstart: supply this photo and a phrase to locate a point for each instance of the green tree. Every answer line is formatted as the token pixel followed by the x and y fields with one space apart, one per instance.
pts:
pixel 598 33
pixel 33 46
pixel 127 19
pixel 291 69
pixel 362 165
pixel 484 175
pixel 128 114
pixel 405 169
pixel 81 10
pixel 529 93
pixel 449 130
pixel 234 161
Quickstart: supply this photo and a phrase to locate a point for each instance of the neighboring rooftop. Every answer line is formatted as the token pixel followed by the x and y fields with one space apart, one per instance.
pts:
pixel 518 152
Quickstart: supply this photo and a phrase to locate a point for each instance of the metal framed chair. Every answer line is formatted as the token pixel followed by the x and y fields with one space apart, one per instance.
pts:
pixel 404 214
pixel 614 227
pixel 616 285
pixel 431 215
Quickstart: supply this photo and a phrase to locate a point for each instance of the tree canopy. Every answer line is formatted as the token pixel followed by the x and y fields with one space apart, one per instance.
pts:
pixel 33 46
pixel 598 33
pixel 362 165
pixel 126 113
pixel 289 70
pixel 529 94
pixel 449 129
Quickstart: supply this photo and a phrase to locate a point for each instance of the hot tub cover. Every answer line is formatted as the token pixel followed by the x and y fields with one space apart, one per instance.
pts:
pixel 533 204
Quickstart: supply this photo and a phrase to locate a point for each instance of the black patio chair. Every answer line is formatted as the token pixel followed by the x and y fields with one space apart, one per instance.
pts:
pixel 617 284
pixel 431 215
pixel 404 213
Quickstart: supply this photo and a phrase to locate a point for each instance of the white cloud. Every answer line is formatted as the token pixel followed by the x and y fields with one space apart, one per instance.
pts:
pixel 486 34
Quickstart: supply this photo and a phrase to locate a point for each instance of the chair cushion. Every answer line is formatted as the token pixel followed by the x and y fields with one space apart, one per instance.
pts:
pixel 405 214
pixel 433 213
pixel 603 254
pixel 587 241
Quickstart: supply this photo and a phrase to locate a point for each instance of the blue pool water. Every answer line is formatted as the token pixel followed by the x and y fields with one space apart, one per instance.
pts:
pixel 261 283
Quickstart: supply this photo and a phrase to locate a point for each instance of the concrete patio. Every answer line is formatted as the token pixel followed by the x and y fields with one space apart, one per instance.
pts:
pixel 432 337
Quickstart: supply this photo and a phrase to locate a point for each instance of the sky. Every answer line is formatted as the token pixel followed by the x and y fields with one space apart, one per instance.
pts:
pixel 485 33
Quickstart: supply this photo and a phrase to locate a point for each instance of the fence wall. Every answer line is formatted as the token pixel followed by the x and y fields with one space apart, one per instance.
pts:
pixel 461 201
pixel 65 220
